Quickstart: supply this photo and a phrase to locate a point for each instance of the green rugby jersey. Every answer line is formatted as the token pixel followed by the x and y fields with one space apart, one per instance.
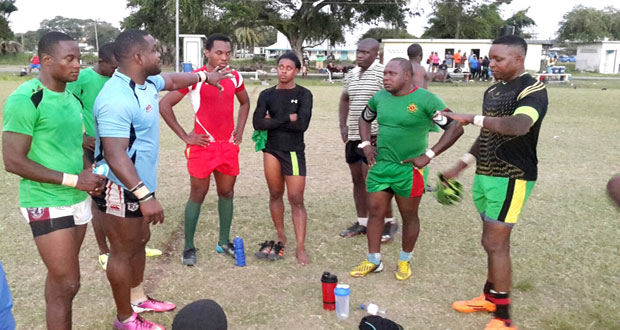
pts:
pixel 87 87
pixel 404 122
pixel 54 120
pixel 512 156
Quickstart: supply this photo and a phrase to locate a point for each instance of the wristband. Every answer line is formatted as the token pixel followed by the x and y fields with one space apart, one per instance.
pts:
pixel 430 153
pixel 363 144
pixel 468 159
pixel 202 76
pixel 146 198
pixel 479 121
pixel 140 191
pixel 69 180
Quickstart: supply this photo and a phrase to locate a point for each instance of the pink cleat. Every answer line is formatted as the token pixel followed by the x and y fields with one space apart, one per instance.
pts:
pixel 153 305
pixel 136 322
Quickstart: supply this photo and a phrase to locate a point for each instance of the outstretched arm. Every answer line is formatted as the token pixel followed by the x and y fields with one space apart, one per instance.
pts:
pixel 516 125
pixel 176 81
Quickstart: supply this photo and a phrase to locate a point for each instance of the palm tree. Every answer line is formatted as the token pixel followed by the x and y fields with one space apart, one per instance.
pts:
pixel 246 36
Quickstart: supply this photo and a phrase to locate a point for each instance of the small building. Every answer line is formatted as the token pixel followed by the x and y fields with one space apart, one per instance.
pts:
pixel 599 57
pixel 342 52
pixel 193 49
pixel 392 48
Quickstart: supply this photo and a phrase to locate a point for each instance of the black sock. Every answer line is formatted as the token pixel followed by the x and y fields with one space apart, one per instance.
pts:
pixel 502 305
pixel 488 286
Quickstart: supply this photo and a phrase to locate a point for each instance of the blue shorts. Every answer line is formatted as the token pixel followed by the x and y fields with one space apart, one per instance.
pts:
pixel 35 66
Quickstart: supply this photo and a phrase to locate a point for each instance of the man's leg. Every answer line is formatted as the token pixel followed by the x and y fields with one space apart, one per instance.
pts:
pixel 102 244
pixel 360 196
pixel 275 183
pixel 295 186
pixel 198 190
pixel 60 253
pixel 225 191
pixel 408 207
pixel 496 242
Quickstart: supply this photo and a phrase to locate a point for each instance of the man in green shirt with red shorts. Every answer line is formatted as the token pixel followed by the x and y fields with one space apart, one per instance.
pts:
pixel 404 113
pixel 42 143
pixel 506 169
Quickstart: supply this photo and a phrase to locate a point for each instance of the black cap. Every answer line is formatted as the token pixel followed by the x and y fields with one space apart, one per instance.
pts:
pixel 329 278
pixel 204 314
pixel 375 322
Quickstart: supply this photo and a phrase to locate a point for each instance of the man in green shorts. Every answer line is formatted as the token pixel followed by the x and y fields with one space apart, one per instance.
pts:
pixel 42 143
pixel 506 168
pixel 404 113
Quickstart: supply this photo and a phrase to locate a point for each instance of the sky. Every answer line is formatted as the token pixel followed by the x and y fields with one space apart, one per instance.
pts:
pixel 546 13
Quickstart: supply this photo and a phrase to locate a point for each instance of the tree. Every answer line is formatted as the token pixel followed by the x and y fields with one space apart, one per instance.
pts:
pixel 317 21
pixel 105 32
pixel 246 37
pixel 384 33
pixel 6 8
pixel 521 21
pixel 590 24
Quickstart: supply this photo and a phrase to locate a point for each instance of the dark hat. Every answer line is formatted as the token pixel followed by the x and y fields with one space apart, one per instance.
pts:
pixel 204 314
pixel 375 322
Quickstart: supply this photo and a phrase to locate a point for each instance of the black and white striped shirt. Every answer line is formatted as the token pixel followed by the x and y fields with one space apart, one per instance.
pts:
pixel 360 88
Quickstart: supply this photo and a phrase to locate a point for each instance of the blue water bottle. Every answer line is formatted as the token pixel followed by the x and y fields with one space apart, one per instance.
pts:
pixel 239 251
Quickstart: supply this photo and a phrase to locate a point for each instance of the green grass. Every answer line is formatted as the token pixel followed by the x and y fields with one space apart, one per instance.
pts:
pixel 565 247
pixel 17 59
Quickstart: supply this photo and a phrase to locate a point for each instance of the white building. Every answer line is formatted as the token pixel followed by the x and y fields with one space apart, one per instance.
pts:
pixel 342 52
pixel 193 49
pixel 600 57
pixel 398 48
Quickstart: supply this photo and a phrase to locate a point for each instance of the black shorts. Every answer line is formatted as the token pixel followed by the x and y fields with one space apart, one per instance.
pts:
pixel 291 162
pixel 118 201
pixel 353 154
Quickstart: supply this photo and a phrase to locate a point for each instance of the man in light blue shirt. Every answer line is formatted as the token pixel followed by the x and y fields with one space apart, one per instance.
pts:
pixel 126 115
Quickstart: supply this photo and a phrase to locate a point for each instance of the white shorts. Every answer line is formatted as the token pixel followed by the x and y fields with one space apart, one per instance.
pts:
pixel 44 220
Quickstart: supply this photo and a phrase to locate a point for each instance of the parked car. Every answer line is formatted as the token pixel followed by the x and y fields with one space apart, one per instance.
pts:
pixel 565 58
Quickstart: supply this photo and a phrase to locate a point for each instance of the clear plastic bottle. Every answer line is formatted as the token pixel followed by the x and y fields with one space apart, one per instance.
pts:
pixel 342 293
pixel 373 309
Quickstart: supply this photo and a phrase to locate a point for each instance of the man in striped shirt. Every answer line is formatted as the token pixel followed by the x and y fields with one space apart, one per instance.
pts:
pixel 360 84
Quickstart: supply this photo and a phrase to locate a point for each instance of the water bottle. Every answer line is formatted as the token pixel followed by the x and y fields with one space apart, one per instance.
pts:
pixel 239 251
pixel 328 284
pixel 102 169
pixel 342 293
pixel 373 309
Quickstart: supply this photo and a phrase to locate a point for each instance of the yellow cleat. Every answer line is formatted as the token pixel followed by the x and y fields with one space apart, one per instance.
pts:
pixel 103 260
pixel 403 271
pixel 365 268
pixel 152 252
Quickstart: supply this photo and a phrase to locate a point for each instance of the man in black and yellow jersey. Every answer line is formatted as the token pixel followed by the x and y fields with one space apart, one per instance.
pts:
pixel 506 169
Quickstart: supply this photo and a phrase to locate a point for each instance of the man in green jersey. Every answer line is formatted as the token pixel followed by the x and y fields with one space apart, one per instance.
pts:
pixel 506 169
pixel 42 143
pixel 404 113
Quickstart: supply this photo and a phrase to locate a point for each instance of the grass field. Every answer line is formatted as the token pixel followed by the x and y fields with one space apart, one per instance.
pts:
pixel 566 252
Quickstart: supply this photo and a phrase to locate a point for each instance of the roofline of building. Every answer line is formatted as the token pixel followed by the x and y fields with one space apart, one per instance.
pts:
pixel 460 41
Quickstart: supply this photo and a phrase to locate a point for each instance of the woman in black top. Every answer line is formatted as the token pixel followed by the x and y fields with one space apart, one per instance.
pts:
pixel 284 111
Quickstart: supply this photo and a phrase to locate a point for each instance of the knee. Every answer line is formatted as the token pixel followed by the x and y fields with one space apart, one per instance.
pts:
pixel 494 246
pixel 275 195
pixel 358 180
pixel 296 200
pixel 67 286
pixel 226 193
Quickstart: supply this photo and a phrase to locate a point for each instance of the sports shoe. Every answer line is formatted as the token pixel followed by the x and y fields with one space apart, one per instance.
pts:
pixel 277 252
pixel 152 252
pixel 228 249
pixel 264 250
pixel 389 230
pixel 103 260
pixel 403 271
pixel 153 305
pixel 365 268
pixel 478 304
pixel 354 230
pixel 137 322
pixel 498 324
pixel 189 257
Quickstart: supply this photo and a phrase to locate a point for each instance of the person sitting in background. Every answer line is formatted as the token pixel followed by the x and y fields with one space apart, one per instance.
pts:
pixel 442 73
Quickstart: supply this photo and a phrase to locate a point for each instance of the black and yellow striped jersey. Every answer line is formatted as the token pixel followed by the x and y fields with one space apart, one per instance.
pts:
pixel 512 156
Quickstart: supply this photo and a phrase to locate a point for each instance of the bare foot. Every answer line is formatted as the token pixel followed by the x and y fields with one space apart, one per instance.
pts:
pixel 302 257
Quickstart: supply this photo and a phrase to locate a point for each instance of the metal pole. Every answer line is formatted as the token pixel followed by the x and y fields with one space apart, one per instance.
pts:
pixel 96 37
pixel 176 38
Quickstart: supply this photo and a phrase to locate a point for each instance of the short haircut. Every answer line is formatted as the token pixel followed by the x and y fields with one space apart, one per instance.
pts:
pixel 414 51
pixel 404 64
pixel 48 42
pixel 512 40
pixel 204 314
pixel 290 56
pixel 215 37
pixel 126 43
pixel 106 52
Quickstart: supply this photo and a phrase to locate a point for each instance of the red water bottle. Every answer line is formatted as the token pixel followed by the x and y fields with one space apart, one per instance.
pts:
pixel 328 284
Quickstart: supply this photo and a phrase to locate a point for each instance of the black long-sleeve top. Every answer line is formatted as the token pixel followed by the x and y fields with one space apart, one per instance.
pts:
pixel 282 133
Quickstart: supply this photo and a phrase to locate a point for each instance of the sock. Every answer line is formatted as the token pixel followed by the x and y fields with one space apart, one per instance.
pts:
pixel 362 221
pixel 502 305
pixel 225 210
pixel 131 318
pixel 405 256
pixel 192 212
pixel 386 220
pixel 488 286
pixel 137 295
pixel 375 258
